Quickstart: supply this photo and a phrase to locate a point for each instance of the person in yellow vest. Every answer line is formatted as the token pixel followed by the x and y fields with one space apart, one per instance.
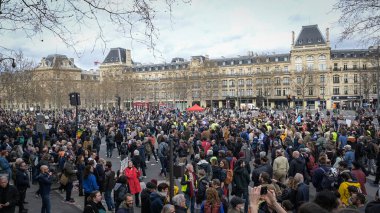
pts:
pixel 344 187
pixel 188 185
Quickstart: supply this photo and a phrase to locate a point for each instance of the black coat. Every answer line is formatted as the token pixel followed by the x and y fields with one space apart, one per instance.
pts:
pixel 297 165
pixel 241 179
pixel 145 201
pixel 92 207
pixel 22 180
pixel 9 194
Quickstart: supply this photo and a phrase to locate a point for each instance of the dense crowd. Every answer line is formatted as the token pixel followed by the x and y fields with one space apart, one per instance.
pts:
pixel 232 161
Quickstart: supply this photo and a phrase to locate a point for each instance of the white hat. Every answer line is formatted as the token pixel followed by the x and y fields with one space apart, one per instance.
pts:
pixel 136 152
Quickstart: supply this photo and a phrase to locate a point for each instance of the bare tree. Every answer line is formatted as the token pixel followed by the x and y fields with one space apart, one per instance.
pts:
pixel 68 18
pixel 359 18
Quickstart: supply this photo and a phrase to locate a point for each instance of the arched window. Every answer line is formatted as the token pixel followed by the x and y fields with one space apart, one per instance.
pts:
pixel 310 63
pixel 322 62
pixel 298 64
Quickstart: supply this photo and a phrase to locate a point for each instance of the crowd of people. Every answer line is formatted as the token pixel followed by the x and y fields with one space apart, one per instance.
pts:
pixel 232 161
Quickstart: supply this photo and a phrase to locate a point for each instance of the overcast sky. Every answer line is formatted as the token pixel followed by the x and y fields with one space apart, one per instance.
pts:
pixel 214 27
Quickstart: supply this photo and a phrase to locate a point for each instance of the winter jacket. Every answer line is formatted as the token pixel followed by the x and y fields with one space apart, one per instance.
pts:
pixel 302 195
pixel 133 175
pixel 22 179
pixel 180 209
pixel 361 178
pixel 297 165
pixel 280 165
pixel 257 171
pixel 45 182
pixel 241 179
pixel 157 202
pixel 349 157
pixel 109 181
pixel 318 175
pixel 145 200
pixel 92 207
pixel 70 171
pixel 201 192
pixel 90 184
pixel 343 190
pixel 9 194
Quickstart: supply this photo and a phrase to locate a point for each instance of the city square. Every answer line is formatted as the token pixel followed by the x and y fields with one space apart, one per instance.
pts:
pixel 111 106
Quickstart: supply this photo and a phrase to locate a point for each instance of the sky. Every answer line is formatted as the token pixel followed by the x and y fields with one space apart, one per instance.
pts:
pixel 217 28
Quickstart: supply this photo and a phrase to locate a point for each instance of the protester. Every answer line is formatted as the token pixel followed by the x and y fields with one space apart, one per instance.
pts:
pixel 94 203
pixel 127 205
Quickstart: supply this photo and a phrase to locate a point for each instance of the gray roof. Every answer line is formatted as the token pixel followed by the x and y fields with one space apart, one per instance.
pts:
pixel 349 53
pixel 310 35
pixel 116 55
pixel 55 61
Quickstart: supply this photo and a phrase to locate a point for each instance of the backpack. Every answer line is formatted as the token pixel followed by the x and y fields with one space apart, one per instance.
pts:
pixel 209 208
pixel 229 176
pixel 330 178
pixel 119 193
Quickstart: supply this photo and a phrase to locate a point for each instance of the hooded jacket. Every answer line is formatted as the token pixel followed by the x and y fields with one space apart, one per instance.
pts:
pixel 156 202
pixel 241 178
pixel 297 165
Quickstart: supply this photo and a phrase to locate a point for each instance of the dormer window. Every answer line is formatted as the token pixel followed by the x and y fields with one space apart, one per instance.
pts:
pixel 232 62
pixel 309 41
pixel 300 42
pixel 319 40
pixel 224 63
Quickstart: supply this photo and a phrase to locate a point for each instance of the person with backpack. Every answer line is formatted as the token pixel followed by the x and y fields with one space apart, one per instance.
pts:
pixel 241 181
pixel 319 175
pixel 119 191
pixel 212 204
pixel 203 183
pixel 205 165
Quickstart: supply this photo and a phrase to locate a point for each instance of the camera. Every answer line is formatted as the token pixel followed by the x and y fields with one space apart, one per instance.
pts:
pixel 264 190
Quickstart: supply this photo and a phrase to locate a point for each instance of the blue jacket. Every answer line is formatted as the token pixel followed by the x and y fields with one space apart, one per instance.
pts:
pixel 302 194
pixel 349 157
pixel 89 184
pixel 45 184
pixel 318 176
pixel 156 202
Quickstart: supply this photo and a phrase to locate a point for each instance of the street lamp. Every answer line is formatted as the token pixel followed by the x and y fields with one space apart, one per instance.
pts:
pixel 375 51
pixel 13 61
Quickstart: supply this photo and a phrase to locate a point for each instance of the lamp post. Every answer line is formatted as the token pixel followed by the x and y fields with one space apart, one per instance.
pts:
pixel 375 51
pixel 13 61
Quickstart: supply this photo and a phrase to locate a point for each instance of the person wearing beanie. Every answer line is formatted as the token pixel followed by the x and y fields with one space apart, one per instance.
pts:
pixel 145 196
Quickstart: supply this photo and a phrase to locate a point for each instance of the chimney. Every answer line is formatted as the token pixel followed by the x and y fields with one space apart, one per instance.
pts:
pixel 327 35
pixel 292 37
pixel 128 58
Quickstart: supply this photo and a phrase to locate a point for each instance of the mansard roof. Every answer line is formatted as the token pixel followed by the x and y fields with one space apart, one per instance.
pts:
pixel 349 53
pixel 310 35
pixel 116 55
pixel 57 61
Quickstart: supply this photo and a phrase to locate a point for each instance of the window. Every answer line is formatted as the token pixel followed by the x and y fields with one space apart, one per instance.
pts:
pixel 299 80
pixel 277 81
pixel 267 92
pixel 249 92
pixel 277 68
pixel 310 63
pixel 286 69
pixel 310 90
pixel 266 80
pixel 232 83
pixel 215 84
pixel 336 79
pixel 215 93
pixel 224 93
pixel 299 92
pixel 322 90
pixel 374 89
pixel 336 91
pixel 208 84
pixel 286 81
pixel 285 91
pixel 355 67
pixel 232 92
pixel 345 66
pixel 249 82
pixel 345 90
pixel 258 69
pixel 224 83
pixel 259 92
pixel 241 92
pixel 278 91
pixel 310 79
pixel 298 64
pixel 355 78
pixel 322 78
pixel 241 82
pixel 355 89
pixel 258 81
pixel 364 66
pixel 335 66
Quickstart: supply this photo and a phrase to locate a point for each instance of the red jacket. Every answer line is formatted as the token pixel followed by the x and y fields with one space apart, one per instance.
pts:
pixel 133 175
pixel 360 177
pixel 206 146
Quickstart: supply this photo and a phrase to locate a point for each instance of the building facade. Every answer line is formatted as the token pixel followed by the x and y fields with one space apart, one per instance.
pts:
pixel 311 75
